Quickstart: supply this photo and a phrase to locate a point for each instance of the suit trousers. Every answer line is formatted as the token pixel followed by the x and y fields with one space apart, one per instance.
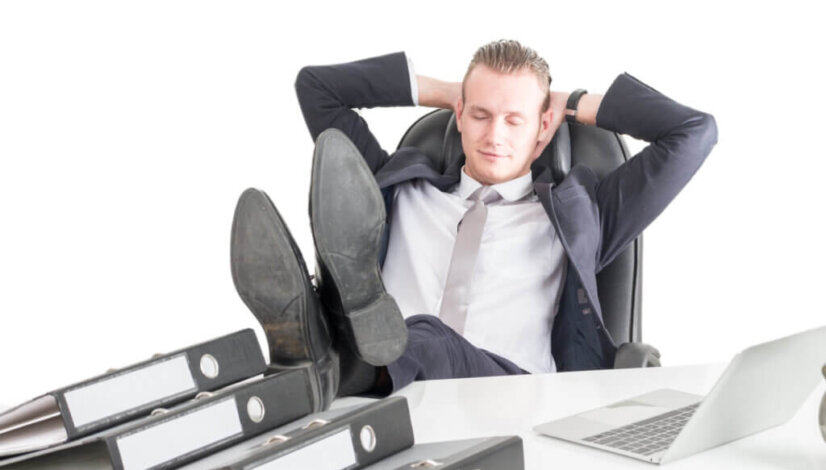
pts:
pixel 436 351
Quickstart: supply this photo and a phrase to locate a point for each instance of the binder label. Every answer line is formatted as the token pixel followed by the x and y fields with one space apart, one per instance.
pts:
pixel 168 378
pixel 180 435
pixel 333 452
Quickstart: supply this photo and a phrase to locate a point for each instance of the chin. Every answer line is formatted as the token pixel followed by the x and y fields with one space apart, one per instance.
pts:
pixel 490 175
pixel 491 179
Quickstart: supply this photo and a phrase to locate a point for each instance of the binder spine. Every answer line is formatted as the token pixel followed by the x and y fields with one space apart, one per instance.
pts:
pixel 112 399
pixel 176 438
pixel 237 356
pixel 211 424
pixel 285 398
pixel 382 431
pixel 354 440
pixel 332 450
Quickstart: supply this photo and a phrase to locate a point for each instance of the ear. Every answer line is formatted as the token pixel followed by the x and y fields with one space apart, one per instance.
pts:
pixel 545 121
pixel 545 133
pixel 459 109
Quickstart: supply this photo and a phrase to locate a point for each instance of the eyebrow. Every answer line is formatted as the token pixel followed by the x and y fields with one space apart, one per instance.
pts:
pixel 475 108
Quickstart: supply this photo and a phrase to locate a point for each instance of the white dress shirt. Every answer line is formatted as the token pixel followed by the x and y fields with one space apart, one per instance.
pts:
pixel 520 268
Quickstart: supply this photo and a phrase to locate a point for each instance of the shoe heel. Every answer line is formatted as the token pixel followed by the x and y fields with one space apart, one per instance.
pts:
pixel 378 331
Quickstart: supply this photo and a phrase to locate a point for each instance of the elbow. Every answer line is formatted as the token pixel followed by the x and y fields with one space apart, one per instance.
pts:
pixel 698 137
pixel 303 82
pixel 707 132
pixel 694 141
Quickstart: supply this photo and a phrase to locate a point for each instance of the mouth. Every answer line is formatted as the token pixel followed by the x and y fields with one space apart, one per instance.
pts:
pixel 492 155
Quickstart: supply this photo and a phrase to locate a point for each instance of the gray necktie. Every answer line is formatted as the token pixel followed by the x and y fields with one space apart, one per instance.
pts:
pixel 456 297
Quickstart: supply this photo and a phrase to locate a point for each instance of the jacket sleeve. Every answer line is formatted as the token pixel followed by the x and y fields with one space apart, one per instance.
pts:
pixel 327 95
pixel 634 194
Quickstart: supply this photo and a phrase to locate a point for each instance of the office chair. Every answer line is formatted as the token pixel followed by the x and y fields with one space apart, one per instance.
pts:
pixel 620 283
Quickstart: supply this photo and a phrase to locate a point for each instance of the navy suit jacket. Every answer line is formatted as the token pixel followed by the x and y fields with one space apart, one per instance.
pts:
pixel 595 219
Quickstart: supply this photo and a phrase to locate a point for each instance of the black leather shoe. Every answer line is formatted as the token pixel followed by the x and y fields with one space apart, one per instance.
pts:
pixel 347 215
pixel 270 276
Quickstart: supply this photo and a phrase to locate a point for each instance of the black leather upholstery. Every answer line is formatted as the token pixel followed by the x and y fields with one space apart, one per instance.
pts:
pixel 620 283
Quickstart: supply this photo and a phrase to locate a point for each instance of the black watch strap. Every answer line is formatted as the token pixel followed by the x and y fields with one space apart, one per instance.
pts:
pixel 573 103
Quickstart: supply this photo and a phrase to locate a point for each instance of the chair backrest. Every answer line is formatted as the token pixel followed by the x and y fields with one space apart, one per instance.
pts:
pixel 619 283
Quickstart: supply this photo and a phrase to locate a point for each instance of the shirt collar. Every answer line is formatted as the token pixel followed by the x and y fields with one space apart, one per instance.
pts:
pixel 512 190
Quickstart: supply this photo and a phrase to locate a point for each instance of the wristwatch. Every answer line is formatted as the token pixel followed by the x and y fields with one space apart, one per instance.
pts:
pixel 573 103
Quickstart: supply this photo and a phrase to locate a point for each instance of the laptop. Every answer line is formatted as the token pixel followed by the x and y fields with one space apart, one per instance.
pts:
pixel 763 386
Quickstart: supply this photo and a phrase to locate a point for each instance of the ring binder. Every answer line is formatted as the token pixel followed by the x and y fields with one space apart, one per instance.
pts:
pixel 185 432
pixel 344 438
pixel 107 400
pixel 492 453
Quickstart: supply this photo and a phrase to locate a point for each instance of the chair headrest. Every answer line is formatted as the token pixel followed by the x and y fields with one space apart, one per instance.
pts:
pixel 452 143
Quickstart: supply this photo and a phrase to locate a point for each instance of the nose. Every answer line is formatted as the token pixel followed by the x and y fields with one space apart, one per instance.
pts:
pixel 495 132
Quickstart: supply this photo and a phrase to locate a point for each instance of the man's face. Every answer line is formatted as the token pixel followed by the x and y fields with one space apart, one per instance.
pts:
pixel 500 123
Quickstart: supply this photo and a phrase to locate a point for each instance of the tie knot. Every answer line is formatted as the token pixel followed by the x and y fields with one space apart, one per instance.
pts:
pixel 486 194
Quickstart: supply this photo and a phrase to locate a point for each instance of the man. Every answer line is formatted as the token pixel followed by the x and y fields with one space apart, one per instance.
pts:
pixel 493 272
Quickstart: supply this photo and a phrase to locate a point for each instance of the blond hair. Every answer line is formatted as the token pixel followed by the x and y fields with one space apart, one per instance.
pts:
pixel 509 56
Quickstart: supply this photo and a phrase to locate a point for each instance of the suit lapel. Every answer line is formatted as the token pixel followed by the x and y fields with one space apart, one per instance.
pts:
pixel 409 163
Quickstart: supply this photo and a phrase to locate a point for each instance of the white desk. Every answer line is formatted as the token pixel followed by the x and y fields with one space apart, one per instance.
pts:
pixel 467 408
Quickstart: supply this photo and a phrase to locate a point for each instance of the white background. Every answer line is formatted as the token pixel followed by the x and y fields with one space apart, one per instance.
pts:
pixel 128 130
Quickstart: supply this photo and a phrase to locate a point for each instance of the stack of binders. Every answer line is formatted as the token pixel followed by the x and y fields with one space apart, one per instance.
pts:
pixel 211 406
pixel 378 436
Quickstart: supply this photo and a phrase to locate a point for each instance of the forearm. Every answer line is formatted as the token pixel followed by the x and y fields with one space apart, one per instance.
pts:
pixel 587 108
pixel 631 107
pixel 328 93
pixel 437 93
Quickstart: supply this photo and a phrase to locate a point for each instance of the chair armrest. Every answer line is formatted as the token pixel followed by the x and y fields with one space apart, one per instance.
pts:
pixel 636 355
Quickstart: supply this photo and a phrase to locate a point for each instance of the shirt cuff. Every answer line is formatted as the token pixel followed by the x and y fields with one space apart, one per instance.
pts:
pixel 414 85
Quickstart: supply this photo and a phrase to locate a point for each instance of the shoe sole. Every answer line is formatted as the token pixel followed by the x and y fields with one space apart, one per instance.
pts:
pixel 348 247
pixel 270 278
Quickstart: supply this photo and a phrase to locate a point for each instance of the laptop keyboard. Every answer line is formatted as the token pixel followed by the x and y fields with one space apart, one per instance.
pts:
pixel 647 436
